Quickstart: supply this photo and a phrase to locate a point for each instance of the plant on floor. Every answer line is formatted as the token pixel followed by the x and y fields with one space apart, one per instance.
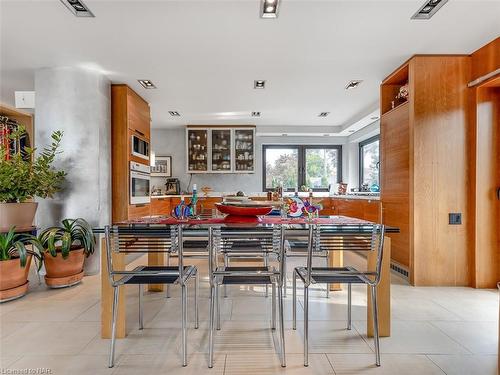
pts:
pixel 24 176
pixel 13 245
pixel 73 234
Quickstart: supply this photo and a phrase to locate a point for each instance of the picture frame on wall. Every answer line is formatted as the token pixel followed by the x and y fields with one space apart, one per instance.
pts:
pixel 162 167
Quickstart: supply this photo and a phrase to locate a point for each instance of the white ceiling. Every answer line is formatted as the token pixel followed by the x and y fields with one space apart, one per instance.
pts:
pixel 204 55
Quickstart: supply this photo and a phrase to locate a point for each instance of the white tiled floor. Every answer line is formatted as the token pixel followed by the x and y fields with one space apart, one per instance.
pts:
pixel 434 331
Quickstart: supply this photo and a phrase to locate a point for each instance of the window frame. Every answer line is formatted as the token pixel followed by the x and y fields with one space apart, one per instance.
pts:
pixel 366 142
pixel 301 162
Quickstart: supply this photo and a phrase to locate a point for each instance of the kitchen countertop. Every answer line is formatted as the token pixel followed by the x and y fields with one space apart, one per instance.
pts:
pixel 318 194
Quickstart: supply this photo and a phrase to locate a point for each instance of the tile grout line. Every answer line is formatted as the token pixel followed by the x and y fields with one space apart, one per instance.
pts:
pixel 451 338
pixel 330 362
pixel 430 359
pixel 225 362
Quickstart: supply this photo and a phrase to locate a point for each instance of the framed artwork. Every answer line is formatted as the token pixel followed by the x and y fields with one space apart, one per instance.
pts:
pixel 162 167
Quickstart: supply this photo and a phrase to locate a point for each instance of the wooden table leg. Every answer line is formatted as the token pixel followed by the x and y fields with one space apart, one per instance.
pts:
pixel 383 294
pixel 156 259
pixel 336 259
pixel 107 296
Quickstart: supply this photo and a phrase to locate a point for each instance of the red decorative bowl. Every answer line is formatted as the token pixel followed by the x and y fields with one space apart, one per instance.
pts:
pixel 243 210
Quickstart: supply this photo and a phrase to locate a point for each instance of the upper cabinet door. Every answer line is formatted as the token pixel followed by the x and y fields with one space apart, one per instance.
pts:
pixel 244 150
pixel 197 150
pixel 221 150
pixel 139 119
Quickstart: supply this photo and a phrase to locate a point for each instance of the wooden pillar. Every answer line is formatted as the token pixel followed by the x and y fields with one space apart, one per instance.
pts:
pixel 383 294
pixel 156 259
pixel 336 259
pixel 107 296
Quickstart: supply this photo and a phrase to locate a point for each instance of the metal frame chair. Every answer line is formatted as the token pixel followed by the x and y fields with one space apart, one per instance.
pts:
pixel 219 239
pixel 145 239
pixel 328 238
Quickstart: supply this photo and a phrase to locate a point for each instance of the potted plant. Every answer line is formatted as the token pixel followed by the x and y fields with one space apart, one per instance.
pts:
pixel 15 261
pixel 64 251
pixel 24 176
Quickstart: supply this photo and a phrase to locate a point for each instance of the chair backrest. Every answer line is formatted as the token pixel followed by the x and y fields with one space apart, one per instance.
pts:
pixel 357 238
pixel 142 238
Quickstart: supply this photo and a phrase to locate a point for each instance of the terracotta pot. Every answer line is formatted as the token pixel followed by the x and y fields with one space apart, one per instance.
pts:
pixel 13 278
pixel 57 267
pixel 20 215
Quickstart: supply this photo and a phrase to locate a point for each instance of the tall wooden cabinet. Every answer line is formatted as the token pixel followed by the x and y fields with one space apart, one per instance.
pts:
pixel 130 115
pixel 424 168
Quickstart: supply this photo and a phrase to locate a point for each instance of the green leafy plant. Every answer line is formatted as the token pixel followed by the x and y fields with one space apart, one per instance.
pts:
pixel 24 176
pixel 73 234
pixel 13 245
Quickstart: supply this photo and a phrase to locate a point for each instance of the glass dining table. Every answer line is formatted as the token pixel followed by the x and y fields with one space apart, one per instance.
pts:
pixel 198 228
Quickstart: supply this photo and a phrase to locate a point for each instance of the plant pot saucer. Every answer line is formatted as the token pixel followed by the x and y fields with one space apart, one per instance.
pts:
pixel 13 293
pixel 63 282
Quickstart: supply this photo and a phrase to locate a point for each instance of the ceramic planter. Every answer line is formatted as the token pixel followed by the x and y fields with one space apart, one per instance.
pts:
pixel 64 272
pixel 13 278
pixel 20 215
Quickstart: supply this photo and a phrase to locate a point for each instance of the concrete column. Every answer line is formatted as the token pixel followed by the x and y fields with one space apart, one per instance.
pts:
pixel 78 102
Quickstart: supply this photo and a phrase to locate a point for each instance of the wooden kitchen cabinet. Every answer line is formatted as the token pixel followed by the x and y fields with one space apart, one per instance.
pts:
pixel 160 206
pixel 139 119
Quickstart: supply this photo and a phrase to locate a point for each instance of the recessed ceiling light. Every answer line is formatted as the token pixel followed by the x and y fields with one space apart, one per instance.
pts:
pixel 323 114
pixel 353 84
pixel 374 118
pixel 352 131
pixel 284 135
pixel 174 113
pixel 78 8
pixel 326 135
pixel 427 10
pixel 255 114
pixel 269 8
pixel 146 83
pixel 259 84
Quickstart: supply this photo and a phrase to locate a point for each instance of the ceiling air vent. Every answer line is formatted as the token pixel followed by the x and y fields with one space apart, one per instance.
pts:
pixel 427 10
pixel 174 113
pixel 259 84
pixel 353 84
pixel 323 114
pixel 78 8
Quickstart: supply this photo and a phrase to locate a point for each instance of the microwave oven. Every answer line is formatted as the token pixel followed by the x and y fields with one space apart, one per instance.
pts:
pixel 140 147
pixel 139 183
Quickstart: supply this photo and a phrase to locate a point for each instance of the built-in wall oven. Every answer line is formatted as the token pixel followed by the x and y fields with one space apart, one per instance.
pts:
pixel 140 147
pixel 139 183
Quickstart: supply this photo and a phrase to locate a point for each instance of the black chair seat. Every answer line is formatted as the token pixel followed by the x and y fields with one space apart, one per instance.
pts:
pixel 333 279
pixel 247 280
pixel 155 279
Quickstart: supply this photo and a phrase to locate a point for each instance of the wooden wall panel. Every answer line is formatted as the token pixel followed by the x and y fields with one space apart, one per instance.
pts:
pixel 487 180
pixel 486 59
pixel 438 117
pixel 395 179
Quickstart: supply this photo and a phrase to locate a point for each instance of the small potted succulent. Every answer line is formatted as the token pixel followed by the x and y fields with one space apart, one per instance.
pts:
pixel 15 261
pixel 64 250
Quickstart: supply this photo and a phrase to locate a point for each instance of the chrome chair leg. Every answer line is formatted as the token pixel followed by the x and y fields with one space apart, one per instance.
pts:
pixel 184 323
pixel 294 300
pixel 141 309
pixel 211 328
pixel 282 327
pixel 273 308
pixel 375 324
pixel 284 276
pixel 196 308
pixel 266 264
pixel 226 264
pixel 113 327
pixel 327 285
pixel 306 326
pixel 168 285
pixel 349 306
pixel 217 303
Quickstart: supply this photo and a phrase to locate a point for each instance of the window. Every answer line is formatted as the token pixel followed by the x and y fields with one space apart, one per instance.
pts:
pixel 369 162
pixel 316 167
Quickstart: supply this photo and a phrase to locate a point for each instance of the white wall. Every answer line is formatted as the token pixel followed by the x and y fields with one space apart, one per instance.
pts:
pixel 173 143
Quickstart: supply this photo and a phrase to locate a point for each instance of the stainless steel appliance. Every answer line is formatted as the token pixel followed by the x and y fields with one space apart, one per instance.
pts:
pixel 139 183
pixel 172 186
pixel 140 147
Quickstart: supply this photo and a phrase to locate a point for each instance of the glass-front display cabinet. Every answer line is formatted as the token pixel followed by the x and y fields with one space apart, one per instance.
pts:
pixel 221 150
pixel 244 150
pixel 197 148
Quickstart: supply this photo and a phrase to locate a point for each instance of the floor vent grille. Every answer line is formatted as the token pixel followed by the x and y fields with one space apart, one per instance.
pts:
pixel 399 269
